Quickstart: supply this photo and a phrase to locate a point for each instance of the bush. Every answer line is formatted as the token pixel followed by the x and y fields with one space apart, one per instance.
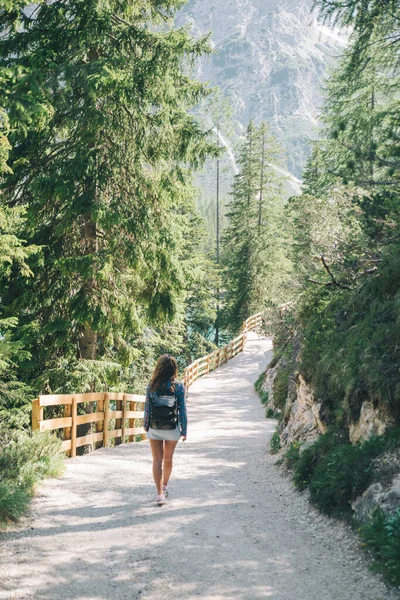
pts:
pixel 382 536
pixel 335 471
pixel 340 476
pixel 24 461
pixel 13 502
pixel 292 455
pixel 281 384
pixel 275 443
pixel 260 380
pixel 307 461
pixel 351 341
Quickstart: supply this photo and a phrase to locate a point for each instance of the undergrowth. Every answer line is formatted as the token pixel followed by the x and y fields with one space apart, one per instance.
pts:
pixel 25 460
pixel 382 536
pixel 275 443
pixel 336 472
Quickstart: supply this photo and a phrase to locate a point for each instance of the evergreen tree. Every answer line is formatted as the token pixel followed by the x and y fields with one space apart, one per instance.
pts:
pixel 14 254
pixel 253 248
pixel 101 171
pixel 346 224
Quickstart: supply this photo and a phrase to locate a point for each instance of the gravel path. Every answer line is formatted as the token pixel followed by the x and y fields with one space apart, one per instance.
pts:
pixel 233 527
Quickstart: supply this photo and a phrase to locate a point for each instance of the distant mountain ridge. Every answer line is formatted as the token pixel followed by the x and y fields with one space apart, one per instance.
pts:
pixel 271 61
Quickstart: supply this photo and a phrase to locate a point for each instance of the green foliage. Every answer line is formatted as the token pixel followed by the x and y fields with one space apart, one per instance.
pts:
pixel 13 502
pixel 103 144
pixel 346 224
pixel 382 536
pixel 292 454
pixel 280 386
pixel 351 342
pixel 275 443
pixel 260 380
pixel 24 461
pixel 254 260
pixel 341 476
pixel 335 471
pixel 305 462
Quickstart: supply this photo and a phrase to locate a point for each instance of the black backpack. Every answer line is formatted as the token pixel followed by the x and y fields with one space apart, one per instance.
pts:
pixel 163 411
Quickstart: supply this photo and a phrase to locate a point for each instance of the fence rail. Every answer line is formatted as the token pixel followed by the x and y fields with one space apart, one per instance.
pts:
pixel 114 415
pixel 109 424
pixel 212 361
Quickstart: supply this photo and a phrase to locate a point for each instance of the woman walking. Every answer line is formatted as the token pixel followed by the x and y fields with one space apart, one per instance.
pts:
pixel 165 420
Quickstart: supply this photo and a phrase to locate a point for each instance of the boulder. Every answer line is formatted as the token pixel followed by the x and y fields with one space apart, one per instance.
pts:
pixel 371 422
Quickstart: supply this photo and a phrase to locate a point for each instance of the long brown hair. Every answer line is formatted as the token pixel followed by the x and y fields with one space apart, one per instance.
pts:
pixel 166 369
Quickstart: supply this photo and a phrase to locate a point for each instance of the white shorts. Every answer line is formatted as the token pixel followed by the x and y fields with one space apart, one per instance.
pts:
pixel 171 435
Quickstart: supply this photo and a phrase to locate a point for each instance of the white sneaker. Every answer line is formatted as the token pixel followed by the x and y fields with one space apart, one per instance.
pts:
pixel 160 499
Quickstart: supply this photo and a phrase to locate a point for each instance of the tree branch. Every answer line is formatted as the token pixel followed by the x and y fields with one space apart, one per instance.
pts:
pixel 327 269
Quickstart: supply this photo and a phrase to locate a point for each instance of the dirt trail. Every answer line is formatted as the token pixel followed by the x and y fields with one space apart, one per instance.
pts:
pixel 233 527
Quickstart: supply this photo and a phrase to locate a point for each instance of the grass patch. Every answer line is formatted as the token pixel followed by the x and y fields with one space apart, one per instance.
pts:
pixel 335 471
pixel 382 536
pixel 275 443
pixel 280 386
pixel 260 380
pixel 24 461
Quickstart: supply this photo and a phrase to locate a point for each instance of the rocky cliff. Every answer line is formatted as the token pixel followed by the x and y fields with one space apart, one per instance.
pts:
pixel 271 57
pixel 302 423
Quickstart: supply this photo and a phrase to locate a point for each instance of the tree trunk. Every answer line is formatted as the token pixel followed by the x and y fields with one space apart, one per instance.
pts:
pixel 88 337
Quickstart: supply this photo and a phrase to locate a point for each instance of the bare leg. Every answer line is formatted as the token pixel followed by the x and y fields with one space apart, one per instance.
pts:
pixel 157 451
pixel 169 450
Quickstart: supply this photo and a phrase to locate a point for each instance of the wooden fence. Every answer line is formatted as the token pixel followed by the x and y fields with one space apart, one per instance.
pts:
pixel 113 415
pixel 212 361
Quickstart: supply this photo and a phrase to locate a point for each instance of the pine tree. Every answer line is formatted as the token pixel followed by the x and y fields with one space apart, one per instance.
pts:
pixel 101 145
pixel 14 254
pixel 253 249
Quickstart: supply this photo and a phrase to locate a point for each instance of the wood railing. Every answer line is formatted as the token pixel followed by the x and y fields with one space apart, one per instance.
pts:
pixel 212 361
pixel 114 415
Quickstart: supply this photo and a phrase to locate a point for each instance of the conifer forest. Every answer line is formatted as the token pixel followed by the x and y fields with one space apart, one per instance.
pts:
pixel 108 258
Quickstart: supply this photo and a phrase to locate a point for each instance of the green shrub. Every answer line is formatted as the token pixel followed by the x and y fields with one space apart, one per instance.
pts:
pixel 382 536
pixel 275 443
pixel 308 460
pixel 281 384
pixel 292 455
pixel 13 502
pixel 344 473
pixel 260 380
pixel 351 341
pixel 264 397
pixel 24 461
pixel 335 471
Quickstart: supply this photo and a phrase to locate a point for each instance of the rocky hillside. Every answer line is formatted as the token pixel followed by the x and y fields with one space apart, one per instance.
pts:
pixel 271 59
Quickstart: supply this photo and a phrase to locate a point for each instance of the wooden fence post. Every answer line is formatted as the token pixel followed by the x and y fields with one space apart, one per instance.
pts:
pixel 244 339
pixel 118 422
pixel 74 414
pixel 123 420
pixel 99 424
pixel 106 417
pixel 132 422
pixel 37 414
pixel 68 430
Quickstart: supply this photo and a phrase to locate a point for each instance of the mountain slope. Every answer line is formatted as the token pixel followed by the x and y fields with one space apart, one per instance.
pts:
pixel 271 59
